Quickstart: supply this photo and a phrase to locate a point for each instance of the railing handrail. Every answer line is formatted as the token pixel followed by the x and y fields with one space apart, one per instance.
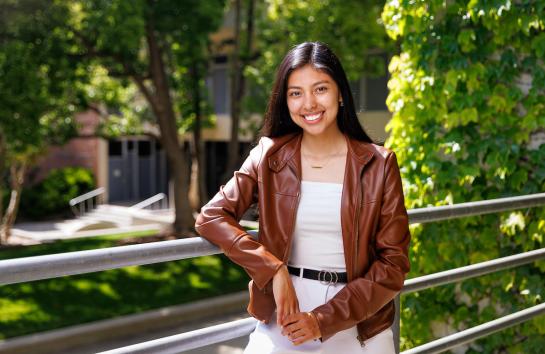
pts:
pixel 471 271
pixel 32 268
pixel 482 330
pixel 481 207
pixel 50 266
pixel 88 195
pixel 27 269
pixel 149 201
pixel 239 328
pixel 179 343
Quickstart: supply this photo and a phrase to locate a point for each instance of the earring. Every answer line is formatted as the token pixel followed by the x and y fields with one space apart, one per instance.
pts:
pixel 341 103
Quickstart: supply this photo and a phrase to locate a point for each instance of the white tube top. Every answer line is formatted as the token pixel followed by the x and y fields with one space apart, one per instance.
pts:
pixel 317 239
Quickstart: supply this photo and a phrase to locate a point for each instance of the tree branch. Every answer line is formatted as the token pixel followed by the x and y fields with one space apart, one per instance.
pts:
pixel 128 69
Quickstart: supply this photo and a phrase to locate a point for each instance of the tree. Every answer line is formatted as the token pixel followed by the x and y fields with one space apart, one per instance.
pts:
pixel 468 101
pixel 150 43
pixel 38 94
pixel 351 28
pixel 240 59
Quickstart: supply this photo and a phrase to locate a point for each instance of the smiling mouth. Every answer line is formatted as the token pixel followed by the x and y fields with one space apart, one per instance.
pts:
pixel 312 117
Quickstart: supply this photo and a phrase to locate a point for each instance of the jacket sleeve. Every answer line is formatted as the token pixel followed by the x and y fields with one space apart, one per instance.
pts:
pixel 364 296
pixel 219 219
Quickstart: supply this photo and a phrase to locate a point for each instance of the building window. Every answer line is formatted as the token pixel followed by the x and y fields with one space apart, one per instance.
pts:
pixel 114 148
pixel 370 93
pixel 219 87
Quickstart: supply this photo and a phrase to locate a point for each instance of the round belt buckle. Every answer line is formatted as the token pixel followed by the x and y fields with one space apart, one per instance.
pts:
pixel 327 277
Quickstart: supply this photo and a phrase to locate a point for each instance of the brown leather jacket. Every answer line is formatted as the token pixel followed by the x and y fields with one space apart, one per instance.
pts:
pixel 374 229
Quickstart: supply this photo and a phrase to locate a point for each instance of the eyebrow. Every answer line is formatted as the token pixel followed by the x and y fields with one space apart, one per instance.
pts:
pixel 314 84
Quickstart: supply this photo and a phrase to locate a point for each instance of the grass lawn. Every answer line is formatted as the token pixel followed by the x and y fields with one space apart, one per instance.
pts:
pixel 47 304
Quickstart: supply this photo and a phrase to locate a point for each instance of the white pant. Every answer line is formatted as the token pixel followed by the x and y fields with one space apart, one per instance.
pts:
pixel 267 338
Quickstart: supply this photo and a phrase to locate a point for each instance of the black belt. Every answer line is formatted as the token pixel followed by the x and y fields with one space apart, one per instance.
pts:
pixel 324 276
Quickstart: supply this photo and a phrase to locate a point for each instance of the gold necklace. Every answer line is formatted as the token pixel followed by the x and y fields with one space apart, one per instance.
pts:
pixel 319 166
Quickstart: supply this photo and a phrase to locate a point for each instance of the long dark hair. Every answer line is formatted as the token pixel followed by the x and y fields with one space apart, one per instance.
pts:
pixel 277 118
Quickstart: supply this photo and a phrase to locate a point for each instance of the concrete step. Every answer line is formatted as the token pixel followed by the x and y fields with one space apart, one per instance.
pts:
pixel 103 216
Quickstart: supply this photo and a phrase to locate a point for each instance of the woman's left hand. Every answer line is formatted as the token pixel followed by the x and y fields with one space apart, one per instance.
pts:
pixel 301 327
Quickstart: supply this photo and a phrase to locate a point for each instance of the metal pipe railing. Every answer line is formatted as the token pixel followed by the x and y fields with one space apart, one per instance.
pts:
pixel 235 329
pixel 56 265
pixel 469 335
pixel 437 213
pixel 149 201
pixel 51 266
pixel 411 285
pixel 85 200
pixel 190 340
pixel 27 269
pixel 471 271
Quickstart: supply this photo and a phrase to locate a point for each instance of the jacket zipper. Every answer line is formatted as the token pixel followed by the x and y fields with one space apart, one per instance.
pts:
pixel 357 239
pixel 294 212
pixel 357 225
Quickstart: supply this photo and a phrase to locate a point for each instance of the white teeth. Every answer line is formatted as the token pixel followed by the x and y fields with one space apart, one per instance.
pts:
pixel 313 117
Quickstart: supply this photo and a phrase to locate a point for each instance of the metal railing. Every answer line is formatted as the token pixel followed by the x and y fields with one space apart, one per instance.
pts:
pixel 160 197
pixel 86 202
pixel 56 265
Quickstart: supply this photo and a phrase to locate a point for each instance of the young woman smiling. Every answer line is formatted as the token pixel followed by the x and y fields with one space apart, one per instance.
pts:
pixel 333 229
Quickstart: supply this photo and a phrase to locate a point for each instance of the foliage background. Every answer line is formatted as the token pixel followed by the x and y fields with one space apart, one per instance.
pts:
pixel 467 93
pixel 352 28
pixel 52 195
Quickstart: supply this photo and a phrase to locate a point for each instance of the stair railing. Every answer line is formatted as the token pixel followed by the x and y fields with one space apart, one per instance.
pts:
pixel 86 202
pixel 160 197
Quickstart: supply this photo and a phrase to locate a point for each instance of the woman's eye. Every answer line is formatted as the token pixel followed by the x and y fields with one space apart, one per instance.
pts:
pixel 294 94
pixel 321 89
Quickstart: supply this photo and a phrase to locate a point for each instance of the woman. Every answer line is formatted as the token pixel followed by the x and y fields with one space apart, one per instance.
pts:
pixel 333 229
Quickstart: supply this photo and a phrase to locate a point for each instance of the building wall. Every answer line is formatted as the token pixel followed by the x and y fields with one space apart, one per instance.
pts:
pixel 374 123
pixel 86 151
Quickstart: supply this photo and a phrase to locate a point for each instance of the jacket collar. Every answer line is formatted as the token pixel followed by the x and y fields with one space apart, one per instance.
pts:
pixel 360 152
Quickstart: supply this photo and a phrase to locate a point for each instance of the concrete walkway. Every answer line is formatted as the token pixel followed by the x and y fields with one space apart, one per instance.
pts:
pixel 32 233
pixel 36 232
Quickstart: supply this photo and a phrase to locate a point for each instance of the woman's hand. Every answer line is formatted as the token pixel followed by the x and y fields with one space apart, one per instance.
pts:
pixel 301 327
pixel 284 295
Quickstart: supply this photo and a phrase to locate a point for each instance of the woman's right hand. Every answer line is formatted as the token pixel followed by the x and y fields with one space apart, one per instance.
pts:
pixel 284 295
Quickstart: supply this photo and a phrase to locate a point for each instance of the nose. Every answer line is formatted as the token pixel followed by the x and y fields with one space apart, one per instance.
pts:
pixel 310 102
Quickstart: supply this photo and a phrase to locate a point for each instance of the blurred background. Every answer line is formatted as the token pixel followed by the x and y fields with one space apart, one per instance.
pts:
pixel 120 119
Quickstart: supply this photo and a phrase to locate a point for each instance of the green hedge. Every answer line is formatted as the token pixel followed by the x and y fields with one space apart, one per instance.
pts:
pixel 51 196
pixel 467 94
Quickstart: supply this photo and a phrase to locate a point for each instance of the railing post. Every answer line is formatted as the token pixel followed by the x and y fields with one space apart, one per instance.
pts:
pixel 397 320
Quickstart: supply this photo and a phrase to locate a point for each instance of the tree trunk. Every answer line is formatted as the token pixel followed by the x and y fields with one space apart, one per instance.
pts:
pixel 198 180
pixel 232 148
pixel 240 60
pixel 17 175
pixel 161 104
pixel 2 171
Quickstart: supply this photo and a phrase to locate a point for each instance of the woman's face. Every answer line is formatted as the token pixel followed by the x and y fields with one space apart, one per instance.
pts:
pixel 313 101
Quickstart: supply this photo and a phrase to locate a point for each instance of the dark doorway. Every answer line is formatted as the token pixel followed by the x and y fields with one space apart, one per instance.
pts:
pixel 137 169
